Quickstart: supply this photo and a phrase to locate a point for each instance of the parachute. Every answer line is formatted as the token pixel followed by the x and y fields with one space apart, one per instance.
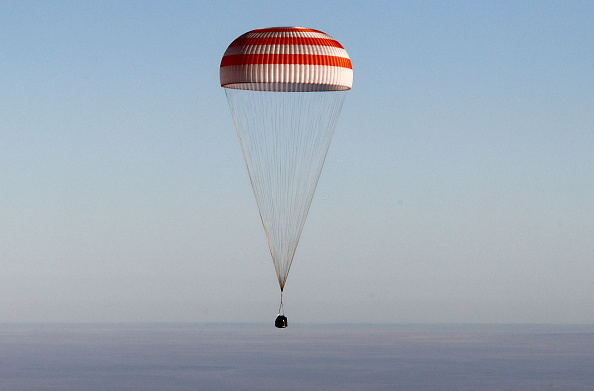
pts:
pixel 285 87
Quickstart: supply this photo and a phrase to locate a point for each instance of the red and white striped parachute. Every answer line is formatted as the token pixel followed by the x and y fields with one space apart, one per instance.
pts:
pixel 286 59
pixel 285 87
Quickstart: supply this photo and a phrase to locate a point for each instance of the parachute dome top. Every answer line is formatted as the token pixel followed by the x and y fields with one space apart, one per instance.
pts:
pixel 286 59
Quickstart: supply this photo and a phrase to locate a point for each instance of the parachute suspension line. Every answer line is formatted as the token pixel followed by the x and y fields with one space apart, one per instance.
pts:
pixel 284 137
pixel 281 310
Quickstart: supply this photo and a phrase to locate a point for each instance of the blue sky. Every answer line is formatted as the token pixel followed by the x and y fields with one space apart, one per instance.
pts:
pixel 459 186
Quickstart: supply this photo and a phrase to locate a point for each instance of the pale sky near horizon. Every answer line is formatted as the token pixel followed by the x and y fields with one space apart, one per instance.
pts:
pixel 459 186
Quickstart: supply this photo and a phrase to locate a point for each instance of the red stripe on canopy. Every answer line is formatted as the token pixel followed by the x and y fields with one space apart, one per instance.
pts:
pixel 298 59
pixel 243 41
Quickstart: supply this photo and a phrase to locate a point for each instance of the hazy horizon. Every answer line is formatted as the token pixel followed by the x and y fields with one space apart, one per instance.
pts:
pixel 265 358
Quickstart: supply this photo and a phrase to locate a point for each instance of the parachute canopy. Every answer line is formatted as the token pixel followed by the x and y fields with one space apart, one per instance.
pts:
pixel 286 59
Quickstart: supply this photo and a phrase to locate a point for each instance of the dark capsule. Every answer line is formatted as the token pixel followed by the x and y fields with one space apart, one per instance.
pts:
pixel 281 322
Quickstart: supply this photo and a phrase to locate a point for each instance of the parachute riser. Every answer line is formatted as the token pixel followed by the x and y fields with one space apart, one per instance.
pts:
pixel 281 310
